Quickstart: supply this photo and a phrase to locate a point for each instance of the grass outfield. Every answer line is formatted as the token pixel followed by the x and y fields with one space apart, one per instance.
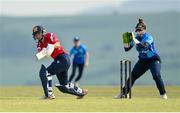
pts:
pixel 99 99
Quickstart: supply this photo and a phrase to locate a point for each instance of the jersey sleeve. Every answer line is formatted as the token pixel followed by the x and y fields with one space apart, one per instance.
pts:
pixel 146 42
pixel 72 51
pixel 84 48
pixel 53 38
pixel 149 39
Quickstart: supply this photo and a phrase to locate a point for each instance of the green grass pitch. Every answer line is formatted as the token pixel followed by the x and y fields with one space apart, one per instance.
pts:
pixel 99 99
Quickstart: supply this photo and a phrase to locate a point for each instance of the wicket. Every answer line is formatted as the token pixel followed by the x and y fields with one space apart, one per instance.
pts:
pixel 125 69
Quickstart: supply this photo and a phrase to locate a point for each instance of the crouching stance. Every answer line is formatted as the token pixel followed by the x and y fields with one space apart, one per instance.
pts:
pixel 148 59
pixel 49 45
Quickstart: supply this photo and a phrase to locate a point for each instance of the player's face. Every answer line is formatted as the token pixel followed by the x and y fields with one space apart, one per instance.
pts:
pixel 140 32
pixel 38 36
pixel 77 43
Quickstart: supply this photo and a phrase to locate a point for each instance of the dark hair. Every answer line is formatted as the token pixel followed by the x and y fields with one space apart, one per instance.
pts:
pixel 140 25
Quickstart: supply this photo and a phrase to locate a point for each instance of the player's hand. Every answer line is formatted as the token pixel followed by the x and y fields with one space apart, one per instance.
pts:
pixel 86 64
pixel 44 51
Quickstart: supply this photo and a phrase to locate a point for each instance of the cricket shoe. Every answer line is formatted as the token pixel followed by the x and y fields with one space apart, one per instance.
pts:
pixel 50 97
pixel 85 92
pixel 76 84
pixel 120 96
pixel 164 96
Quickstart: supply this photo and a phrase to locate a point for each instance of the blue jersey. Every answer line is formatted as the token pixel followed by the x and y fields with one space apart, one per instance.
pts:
pixel 79 54
pixel 146 47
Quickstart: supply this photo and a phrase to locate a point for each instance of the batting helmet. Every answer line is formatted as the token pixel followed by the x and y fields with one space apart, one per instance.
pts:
pixel 38 29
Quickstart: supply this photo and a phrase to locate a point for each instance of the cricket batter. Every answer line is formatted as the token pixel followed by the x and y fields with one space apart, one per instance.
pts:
pixel 148 59
pixel 80 60
pixel 49 45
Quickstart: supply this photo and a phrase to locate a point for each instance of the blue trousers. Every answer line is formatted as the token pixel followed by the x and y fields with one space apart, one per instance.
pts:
pixel 141 67
pixel 80 68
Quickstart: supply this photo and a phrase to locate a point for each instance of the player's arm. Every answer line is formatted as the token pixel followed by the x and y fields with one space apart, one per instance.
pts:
pixel 71 51
pixel 57 45
pixel 50 48
pixel 54 44
pixel 129 48
pixel 87 58
pixel 144 44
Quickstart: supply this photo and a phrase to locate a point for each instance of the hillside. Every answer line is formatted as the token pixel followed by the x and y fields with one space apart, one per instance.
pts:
pixel 102 36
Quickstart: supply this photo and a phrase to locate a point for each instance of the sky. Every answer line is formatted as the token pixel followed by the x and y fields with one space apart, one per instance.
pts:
pixel 51 7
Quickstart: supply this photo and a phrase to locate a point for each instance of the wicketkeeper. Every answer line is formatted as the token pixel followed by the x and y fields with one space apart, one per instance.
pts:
pixel 148 58
pixel 49 45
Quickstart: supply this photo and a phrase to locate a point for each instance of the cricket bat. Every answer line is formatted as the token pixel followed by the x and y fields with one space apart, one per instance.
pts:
pixel 40 55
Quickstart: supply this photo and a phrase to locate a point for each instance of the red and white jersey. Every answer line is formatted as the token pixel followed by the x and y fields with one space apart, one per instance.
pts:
pixel 50 38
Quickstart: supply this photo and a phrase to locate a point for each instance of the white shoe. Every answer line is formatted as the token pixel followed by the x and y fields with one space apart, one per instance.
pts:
pixel 117 96
pixel 50 97
pixel 164 96
pixel 85 92
pixel 76 84
pixel 121 96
